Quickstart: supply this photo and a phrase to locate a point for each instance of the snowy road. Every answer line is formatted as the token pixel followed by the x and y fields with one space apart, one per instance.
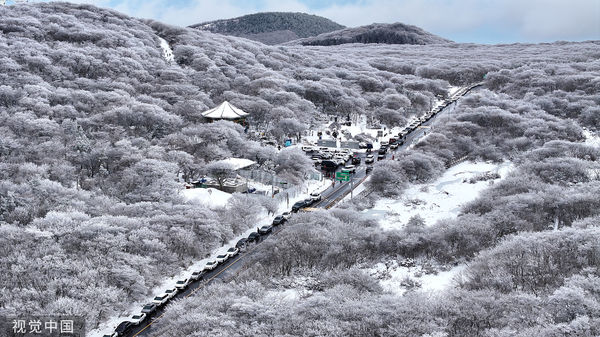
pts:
pixel 330 197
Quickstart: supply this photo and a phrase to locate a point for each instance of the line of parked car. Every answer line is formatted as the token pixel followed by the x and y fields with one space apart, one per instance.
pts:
pixel 160 300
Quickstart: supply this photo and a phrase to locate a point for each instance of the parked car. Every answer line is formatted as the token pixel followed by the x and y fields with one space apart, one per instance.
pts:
pixel 123 328
pixel 149 308
pixel 349 169
pixel 370 159
pixel 197 275
pixel 253 237
pixel 211 265
pixel 394 146
pixel 181 284
pixel 265 229
pixel 298 206
pixel 171 292
pixel 315 196
pixel 329 165
pixel 286 215
pixel 382 150
pixel 278 220
pixel 356 160
pixel 137 319
pixel 241 243
pixel 380 156
pixel 233 251
pixel 392 140
pixel 307 148
pixel 369 169
pixel 161 299
pixel 222 258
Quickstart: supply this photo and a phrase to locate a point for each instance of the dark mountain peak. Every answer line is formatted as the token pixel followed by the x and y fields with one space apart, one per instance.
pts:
pixel 272 27
pixel 389 33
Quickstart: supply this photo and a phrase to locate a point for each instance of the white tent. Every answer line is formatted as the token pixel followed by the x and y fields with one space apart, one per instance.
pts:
pixel 224 111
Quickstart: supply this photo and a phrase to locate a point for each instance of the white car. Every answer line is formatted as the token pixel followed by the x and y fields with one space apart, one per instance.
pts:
pixel 161 299
pixel 307 148
pixel 222 258
pixel 370 159
pixel 315 196
pixel 197 275
pixel 210 265
pixel 181 284
pixel 349 168
pixel 384 143
pixel 286 215
pixel 233 251
pixel 137 319
pixel 171 292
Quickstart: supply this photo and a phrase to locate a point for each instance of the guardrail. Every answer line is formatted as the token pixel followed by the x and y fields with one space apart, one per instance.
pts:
pixel 457 161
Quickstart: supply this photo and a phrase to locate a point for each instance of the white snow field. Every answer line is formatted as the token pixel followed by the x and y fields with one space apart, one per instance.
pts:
pixel 167 51
pixel 440 199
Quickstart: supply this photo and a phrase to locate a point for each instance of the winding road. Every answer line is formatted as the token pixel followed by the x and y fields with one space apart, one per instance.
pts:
pixel 330 197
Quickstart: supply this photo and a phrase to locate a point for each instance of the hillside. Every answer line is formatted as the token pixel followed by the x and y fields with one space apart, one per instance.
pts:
pixel 100 129
pixel 272 27
pixel 395 33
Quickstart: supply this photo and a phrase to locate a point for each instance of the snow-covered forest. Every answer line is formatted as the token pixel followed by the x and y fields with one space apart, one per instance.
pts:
pixel 98 133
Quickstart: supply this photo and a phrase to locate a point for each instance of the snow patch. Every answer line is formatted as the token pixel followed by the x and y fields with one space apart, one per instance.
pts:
pixel 441 199
pixel 237 163
pixel 398 279
pixel 167 51
pixel 591 138
pixel 209 197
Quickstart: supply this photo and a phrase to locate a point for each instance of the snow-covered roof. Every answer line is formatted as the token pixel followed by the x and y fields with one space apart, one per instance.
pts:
pixel 238 163
pixel 224 111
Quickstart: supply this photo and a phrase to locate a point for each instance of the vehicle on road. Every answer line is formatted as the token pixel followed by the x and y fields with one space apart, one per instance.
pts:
pixel 197 275
pixel 356 160
pixel 149 308
pixel 241 243
pixel 123 328
pixel 308 148
pixel 369 169
pixel 315 196
pixel 171 292
pixel 231 252
pixel 382 151
pixel 384 143
pixel 370 159
pixel 181 284
pixel 137 319
pixel 394 146
pixel 211 265
pixel 349 169
pixel 265 229
pixel 392 140
pixel 286 215
pixel 298 206
pixel 380 156
pixel 161 299
pixel 278 220
pixel 221 258
pixel 253 237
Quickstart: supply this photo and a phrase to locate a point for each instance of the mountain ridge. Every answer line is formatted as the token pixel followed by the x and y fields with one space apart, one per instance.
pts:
pixel 271 27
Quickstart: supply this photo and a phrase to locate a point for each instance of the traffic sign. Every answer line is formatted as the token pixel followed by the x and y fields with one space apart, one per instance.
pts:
pixel 342 176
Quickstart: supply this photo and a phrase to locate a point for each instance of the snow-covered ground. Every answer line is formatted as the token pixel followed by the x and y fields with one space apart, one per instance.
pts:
pixel 591 138
pixel 167 51
pixel 438 200
pixel 209 197
pixel 199 194
pixel 398 279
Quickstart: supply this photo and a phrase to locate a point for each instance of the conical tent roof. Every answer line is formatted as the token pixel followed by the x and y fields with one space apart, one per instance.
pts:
pixel 224 111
